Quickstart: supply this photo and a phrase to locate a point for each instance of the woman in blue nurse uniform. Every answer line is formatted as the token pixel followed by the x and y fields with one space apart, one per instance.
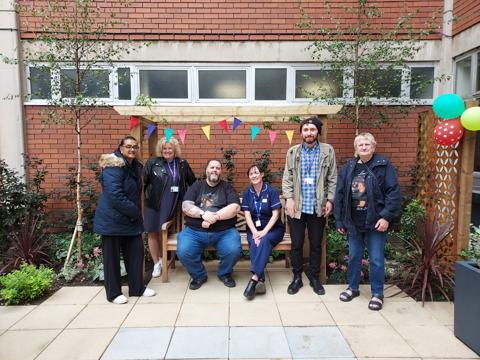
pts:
pixel 265 229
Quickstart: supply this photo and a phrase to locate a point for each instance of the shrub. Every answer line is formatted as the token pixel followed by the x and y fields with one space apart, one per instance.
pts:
pixel 59 243
pixel 26 284
pixel 473 251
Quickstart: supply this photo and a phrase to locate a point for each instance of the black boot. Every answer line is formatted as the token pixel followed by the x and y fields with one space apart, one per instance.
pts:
pixel 249 292
pixel 317 287
pixel 295 285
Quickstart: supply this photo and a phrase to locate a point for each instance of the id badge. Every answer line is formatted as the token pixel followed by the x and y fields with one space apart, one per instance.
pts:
pixel 308 181
pixel 258 223
pixel 264 201
pixel 174 189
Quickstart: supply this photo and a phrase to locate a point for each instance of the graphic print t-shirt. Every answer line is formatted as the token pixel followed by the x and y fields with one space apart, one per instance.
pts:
pixel 359 196
pixel 212 199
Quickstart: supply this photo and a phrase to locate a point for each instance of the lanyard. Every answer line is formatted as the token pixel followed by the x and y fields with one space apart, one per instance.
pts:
pixel 174 171
pixel 258 208
pixel 311 161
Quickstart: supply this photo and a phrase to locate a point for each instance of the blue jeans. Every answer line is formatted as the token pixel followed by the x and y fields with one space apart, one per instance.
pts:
pixel 191 244
pixel 375 242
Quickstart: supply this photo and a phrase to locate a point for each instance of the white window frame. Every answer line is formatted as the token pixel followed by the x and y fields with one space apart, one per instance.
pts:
pixel 248 91
pixel 288 79
pixel 474 58
pixel 313 68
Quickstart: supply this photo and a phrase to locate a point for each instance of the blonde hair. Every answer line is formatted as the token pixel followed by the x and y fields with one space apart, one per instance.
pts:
pixel 364 135
pixel 177 152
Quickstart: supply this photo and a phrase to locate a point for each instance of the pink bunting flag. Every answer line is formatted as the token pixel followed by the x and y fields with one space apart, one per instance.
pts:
pixel 224 125
pixel 181 134
pixel 133 122
pixel 272 135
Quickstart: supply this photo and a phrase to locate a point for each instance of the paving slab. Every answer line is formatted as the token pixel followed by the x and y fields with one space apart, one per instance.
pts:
pixel 254 314
pixel 139 343
pixel 101 316
pixel 392 293
pixel 9 315
pixel 376 341
pixel 199 343
pixel 78 344
pixel 317 342
pixel 152 315
pixel 355 312
pixel 25 344
pixel 305 294
pixel 434 341
pixel 101 297
pixel 73 295
pixel 305 314
pixel 441 310
pixel 236 293
pixel 166 293
pixel 258 342
pixel 203 314
pixel 48 317
pixel 412 313
pixel 213 291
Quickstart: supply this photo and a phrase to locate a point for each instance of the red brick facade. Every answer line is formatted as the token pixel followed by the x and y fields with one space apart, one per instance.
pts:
pixel 466 13
pixel 241 20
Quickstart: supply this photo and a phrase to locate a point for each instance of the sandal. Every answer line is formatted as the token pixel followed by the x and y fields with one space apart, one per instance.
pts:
pixel 376 303
pixel 348 295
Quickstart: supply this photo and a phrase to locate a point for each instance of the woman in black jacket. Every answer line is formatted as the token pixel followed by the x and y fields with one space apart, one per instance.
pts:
pixel 166 178
pixel 367 200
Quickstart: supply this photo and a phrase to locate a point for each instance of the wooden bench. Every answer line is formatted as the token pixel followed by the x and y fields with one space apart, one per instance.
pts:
pixel 171 229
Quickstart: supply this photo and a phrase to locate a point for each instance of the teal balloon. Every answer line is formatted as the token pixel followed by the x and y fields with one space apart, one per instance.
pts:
pixel 471 118
pixel 448 106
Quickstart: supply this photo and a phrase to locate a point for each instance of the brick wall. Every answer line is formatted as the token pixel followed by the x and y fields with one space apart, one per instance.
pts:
pixel 467 14
pixel 233 19
pixel 56 144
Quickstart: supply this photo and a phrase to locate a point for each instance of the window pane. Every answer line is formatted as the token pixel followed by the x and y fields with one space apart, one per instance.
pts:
pixel 421 83
pixel 318 83
pixel 95 83
pixel 164 84
pixel 477 88
pixel 270 84
pixel 380 83
pixel 463 77
pixel 40 85
pixel 124 90
pixel 222 84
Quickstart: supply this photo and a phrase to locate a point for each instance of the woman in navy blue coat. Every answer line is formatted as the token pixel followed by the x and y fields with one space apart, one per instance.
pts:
pixel 367 200
pixel 265 229
pixel 118 219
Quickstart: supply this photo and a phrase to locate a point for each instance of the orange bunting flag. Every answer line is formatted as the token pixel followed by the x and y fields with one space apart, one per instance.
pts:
pixel 289 135
pixel 223 124
pixel 133 122
pixel 206 131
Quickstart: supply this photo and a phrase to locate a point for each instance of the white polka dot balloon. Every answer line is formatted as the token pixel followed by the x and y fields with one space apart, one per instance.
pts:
pixel 448 132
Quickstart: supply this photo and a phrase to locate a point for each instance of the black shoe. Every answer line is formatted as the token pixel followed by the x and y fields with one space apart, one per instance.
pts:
pixel 295 285
pixel 197 283
pixel 249 292
pixel 260 288
pixel 227 280
pixel 317 287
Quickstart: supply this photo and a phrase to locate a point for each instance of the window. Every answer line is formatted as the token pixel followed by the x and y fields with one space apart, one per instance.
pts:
pixel 477 85
pixel 463 77
pixel 124 84
pixel 95 83
pixel 380 83
pixel 421 82
pixel 270 84
pixel 318 83
pixel 40 83
pixel 222 84
pixel 164 84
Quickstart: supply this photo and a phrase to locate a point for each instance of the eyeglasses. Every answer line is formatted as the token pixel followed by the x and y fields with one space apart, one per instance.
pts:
pixel 131 147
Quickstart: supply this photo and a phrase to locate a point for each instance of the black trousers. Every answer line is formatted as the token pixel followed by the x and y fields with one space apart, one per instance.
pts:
pixel 315 226
pixel 132 249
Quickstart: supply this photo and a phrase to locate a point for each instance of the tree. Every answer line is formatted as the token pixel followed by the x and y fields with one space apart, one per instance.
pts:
pixel 71 44
pixel 366 60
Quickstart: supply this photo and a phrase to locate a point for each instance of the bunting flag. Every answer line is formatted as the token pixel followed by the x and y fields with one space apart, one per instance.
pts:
pixel 236 123
pixel 255 130
pixel 181 134
pixel 289 135
pixel 272 135
pixel 150 129
pixel 168 134
pixel 133 122
pixel 223 124
pixel 206 131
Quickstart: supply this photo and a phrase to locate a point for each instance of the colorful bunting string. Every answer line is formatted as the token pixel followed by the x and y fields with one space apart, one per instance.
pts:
pixel 236 123
pixel 181 134
pixel 206 131
pixel 289 135
pixel 272 135
pixel 133 122
pixel 150 129
pixel 255 130
pixel 168 134
pixel 224 125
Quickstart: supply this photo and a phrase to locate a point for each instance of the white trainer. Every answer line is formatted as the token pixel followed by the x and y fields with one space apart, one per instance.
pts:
pixel 149 292
pixel 157 269
pixel 120 299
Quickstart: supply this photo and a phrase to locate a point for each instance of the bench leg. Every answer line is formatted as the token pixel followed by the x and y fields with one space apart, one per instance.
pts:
pixel 287 259
pixel 173 259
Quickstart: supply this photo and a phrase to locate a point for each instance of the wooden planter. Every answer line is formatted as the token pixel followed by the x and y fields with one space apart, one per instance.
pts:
pixel 467 304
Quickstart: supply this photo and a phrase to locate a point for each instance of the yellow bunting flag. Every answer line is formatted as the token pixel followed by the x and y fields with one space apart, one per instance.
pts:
pixel 289 135
pixel 206 131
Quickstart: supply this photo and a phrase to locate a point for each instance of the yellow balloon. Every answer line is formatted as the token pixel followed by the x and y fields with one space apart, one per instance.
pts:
pixel 470 118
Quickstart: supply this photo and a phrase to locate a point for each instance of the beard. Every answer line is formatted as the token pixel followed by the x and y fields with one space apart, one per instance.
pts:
pixel 213 178
pixel 310 139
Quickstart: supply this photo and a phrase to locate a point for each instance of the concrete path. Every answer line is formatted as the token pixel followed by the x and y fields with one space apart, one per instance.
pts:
pixel 215 322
